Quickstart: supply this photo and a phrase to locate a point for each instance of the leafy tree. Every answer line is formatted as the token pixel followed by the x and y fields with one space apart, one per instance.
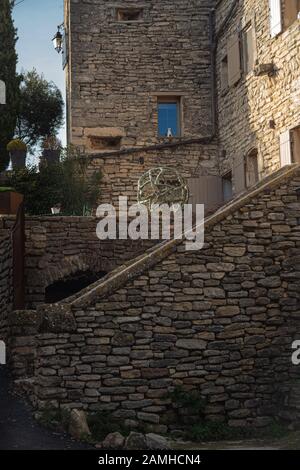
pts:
pixel 41 109
pixel 8 63
pixel 66 183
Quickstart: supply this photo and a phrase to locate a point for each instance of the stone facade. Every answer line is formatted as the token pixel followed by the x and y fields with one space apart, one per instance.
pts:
pixel 256 110
pixel 117 71
pixel 220 321
pixel 5 282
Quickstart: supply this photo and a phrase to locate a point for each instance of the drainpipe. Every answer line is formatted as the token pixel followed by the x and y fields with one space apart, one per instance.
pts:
pixel 213 48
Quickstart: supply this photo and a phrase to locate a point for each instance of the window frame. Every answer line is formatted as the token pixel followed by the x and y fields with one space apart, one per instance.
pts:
pixel 171 99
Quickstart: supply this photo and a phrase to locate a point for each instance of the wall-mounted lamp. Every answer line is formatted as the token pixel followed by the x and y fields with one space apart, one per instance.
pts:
pixel 58 39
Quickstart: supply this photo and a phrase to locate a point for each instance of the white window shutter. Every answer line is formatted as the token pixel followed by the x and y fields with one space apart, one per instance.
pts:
pixel 234 59
pixel 275 17
pixel 285 148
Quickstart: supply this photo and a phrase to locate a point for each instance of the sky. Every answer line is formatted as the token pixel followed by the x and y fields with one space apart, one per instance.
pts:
pixel 36 22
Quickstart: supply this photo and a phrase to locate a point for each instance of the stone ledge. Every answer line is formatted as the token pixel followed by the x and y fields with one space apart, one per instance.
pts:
pixel 23 317
pixel 56 318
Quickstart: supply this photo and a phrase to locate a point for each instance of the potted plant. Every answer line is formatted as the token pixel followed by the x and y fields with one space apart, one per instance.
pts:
pixel 51 149
pixel 18 151
pixel 9 200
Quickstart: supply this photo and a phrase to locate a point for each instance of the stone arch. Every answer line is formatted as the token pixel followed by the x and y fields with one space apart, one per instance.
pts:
pixel 64 268
pixel 69 276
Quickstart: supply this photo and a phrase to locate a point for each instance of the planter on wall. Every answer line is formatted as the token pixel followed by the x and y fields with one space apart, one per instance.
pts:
pixel 18 159
pixel 10 202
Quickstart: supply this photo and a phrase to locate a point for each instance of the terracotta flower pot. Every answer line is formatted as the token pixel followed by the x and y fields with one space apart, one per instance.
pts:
pixel 18 159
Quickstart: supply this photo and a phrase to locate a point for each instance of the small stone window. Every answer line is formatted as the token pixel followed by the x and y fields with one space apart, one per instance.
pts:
pixel 105 143
pixel 128 15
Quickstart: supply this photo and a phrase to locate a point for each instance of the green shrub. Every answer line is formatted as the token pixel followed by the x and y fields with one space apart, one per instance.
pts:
pixel 216 431
pixel 16 144
pixel 189 406
pixel 6 190
pixel 56 419
pixel 66 183
pixel 101 424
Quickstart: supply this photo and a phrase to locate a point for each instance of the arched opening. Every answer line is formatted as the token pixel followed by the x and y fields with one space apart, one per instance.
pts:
pixel 71 285
pixel 251 168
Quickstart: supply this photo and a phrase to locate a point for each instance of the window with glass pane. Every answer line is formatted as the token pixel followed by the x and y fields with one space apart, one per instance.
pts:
pixel 168 118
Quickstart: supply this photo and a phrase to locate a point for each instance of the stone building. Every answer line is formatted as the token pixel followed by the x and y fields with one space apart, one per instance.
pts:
pixel 258 87
pixel 209 87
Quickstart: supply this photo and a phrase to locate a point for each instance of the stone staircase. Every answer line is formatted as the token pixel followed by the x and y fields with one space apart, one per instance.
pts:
pixel 220 321
pixel 152 256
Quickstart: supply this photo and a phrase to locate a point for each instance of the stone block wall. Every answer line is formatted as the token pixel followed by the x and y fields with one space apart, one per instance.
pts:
pixel 116 73
pixel 246 109
pixel 121 172
pixel 23 328
pixel 5 283
pixel 58 247
pixel 220 321
pixel 117 70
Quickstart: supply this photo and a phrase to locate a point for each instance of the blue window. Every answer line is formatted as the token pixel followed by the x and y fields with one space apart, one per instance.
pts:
pixel 168 118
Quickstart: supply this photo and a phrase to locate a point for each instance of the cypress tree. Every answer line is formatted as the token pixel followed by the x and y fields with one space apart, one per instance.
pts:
pixel 8 63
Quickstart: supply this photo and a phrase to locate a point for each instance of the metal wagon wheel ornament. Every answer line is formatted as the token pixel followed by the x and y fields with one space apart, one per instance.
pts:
pixel 162 185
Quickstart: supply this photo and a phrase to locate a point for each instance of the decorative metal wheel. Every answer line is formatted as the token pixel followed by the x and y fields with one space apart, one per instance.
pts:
pixel 162 185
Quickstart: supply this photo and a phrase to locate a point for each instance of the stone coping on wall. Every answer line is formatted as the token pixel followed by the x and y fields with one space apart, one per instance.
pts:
pixel 132 269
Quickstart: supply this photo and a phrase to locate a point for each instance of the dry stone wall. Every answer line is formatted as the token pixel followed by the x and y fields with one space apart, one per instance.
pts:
pixel 118 69
pixel 59 247
pixel 116 73
pixel 5 283
pixel 220 321
pixel 121 172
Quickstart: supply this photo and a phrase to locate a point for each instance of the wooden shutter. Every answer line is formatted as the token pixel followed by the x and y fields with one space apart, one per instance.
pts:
pixel 285 148
pixel 275 17
pixel 234 59
pixel 206 190
pixel 239 178
pixel 249 50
